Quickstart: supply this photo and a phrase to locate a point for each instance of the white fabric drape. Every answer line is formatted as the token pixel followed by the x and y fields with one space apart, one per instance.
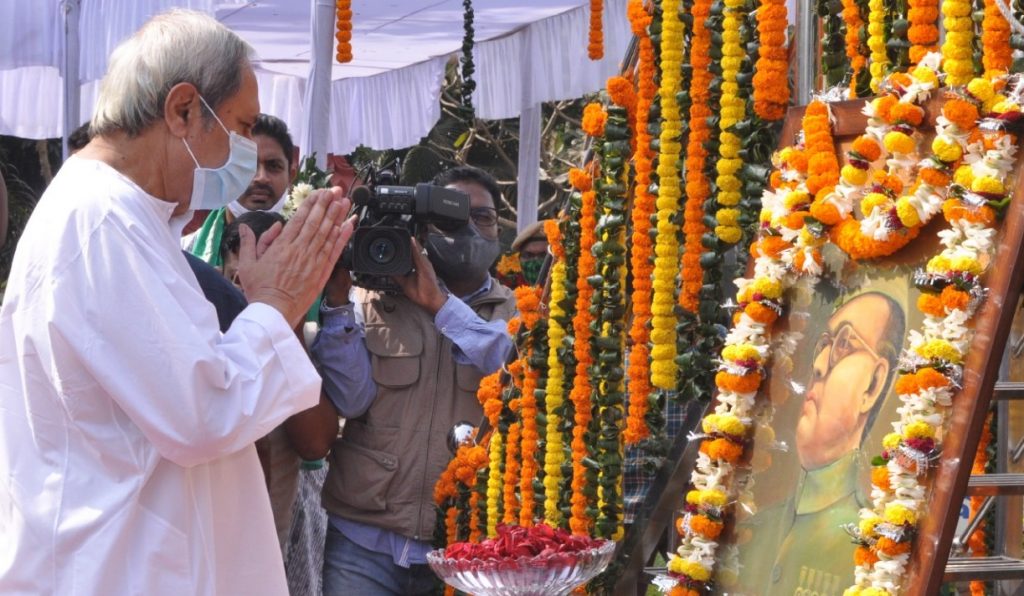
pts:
pixel 528 187
pixel 528 52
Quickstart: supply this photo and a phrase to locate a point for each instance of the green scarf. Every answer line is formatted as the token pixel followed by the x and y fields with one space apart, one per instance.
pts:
pixel 207 240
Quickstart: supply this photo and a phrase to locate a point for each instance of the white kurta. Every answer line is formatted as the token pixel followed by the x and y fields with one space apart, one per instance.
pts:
pixel 126 418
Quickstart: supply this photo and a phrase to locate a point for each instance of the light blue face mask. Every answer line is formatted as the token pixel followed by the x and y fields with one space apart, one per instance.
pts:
pixel 213 188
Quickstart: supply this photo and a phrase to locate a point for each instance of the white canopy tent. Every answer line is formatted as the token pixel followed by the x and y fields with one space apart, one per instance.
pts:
pixel 527 52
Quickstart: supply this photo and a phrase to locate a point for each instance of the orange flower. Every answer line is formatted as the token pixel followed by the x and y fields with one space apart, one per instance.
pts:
pixel 890 547
pixel 880 477
pixel 963 114
pixel 768 246
pixel 867 147
pixel 705 526
pixel 854 25
pixel 864 557
pixel 580 179
pixel 884 105
pixel 760 313
pixel 908 113
pixel 954 299
pixel 722 449
pixel 995 41
pixel 826 213
pixel 594 119
pixel 621 92
pixel 954 210
pixel 595 49
pixel 771 81
pixel 740 384
pixel 934 177
pixel 931 305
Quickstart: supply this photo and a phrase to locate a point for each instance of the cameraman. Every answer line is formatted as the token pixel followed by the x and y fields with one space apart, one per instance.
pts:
pixel 403 370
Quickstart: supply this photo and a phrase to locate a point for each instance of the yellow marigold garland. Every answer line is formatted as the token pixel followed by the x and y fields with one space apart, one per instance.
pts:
pixel 733 109
pixel 958 63
pixel 666 247
pixel 496 452
pixel 876 42
pixel 555 388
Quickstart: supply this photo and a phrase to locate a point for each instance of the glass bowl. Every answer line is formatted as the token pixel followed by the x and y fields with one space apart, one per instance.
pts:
pixel 541 575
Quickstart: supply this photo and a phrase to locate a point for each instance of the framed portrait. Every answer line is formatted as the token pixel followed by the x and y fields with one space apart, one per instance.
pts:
pixel 830 399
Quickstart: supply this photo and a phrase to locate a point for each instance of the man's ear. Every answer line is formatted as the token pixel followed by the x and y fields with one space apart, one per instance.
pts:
pixel 182 109
pixel 293 171
pixel 876 385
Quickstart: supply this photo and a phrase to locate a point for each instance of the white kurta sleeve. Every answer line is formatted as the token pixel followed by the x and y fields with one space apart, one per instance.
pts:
pixel 144 332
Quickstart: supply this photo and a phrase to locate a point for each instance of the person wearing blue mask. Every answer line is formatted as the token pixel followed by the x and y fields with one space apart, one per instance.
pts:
pixel 276 168
pixel 127 418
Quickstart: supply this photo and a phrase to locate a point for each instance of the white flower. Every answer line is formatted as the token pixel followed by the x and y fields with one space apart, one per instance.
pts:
pixel 300 192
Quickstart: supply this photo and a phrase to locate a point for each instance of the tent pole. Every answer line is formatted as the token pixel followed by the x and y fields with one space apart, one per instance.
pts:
pixel 528 186
pixel 317 101
pixel 69 75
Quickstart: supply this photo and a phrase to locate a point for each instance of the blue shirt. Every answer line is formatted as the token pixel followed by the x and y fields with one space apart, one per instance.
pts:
pixel 340 353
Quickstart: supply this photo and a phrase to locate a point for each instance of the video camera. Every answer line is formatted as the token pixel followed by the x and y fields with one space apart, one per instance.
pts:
pixel 388 216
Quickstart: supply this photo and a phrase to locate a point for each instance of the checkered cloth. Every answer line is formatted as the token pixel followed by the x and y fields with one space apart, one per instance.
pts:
pixel 637 477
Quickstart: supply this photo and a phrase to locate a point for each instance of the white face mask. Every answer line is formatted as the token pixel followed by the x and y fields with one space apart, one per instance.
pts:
pixel 213 188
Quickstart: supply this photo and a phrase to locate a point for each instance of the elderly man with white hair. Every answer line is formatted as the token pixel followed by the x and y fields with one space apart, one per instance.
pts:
pixel 127 419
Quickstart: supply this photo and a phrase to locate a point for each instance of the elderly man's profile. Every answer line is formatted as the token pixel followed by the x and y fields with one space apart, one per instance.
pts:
pixel 799 544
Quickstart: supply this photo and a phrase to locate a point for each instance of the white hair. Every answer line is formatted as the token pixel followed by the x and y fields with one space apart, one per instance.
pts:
pixel 179 46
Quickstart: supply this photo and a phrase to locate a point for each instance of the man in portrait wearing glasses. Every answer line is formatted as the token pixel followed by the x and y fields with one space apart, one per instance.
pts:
pixel 403 370
pixel 852 370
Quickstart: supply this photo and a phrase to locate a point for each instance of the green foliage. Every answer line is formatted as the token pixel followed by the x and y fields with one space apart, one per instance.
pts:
pixel 312 175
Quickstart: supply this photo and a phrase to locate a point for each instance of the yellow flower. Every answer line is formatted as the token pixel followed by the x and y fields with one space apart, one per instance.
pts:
pixel 727 217
pixel 919 430
pixel 867 525
pixel 897 142
pixel 908 215
pixel 981 89
pixel 925 75
pixel 1005 106
pixel 898 515
pixel 729 199
pixel 967 264
pixel 728 234
pixel 854 175
pixel 872 201
pixel 964 176
pixel 988 184
pixel 691 569
pixel 939 349
pixel 891 441
pixel 731 425
pixel 737 352
pixel 795 198
pixel 946 148
pixel 767 287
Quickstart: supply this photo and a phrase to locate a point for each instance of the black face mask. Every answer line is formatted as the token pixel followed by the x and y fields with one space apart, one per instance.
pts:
pixel 461 255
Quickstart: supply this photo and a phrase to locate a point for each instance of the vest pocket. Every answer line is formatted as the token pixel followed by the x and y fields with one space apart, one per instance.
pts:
pixel 365 475
pixel 394 354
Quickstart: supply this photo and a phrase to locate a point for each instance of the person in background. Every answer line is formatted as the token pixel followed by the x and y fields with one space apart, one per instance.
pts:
pixel 403 370
pixel 126 417
pixel 78 139
pixel 532 247
pixel 268 191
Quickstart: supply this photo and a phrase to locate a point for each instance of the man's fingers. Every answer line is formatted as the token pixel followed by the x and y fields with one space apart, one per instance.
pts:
pixel 329 209
pixel 267 238
pixel 246 245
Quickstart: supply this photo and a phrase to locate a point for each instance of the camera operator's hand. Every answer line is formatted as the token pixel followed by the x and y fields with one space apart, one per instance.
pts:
pixel 290 264
pixel 421 285
pixel 338 285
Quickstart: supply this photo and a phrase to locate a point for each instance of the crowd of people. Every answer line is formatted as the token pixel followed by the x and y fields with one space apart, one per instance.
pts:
pixel 164 426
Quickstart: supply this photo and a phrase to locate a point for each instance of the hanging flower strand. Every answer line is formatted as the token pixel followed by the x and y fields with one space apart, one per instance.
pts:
pixel 343 27
pixel 468 68
pixel 595 47
pixel 666 247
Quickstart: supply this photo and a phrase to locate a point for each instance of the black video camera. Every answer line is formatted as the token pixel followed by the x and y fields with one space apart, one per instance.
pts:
pixel 388 217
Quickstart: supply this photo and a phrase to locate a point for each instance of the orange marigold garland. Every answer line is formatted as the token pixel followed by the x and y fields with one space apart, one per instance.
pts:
pixel 996 53
pixel 698 188
pixel 583 490
pixel 924 32
pixel 343 30
pixel 528 302
pixel 642 251
pixel 771 72
pixel 595 47
pixel 860 76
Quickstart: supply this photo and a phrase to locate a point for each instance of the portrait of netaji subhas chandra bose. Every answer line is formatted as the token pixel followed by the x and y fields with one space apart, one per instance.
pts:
pixel 839 402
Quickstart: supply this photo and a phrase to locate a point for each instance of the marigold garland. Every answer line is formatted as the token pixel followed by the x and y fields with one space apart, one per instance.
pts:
pixel 733 109
pixel 923 33
pixel 595 46
pixel 997 54
pixel 343 30
pixel 642 247
pixel 496 454
pixel 666 247
pixel 698 188
pixel 580 394
pixel 855 27
pixel 876 43
pixel 931 366
pixel 554 394
pixel 771 72
pixel 957 63
pixel 513 464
